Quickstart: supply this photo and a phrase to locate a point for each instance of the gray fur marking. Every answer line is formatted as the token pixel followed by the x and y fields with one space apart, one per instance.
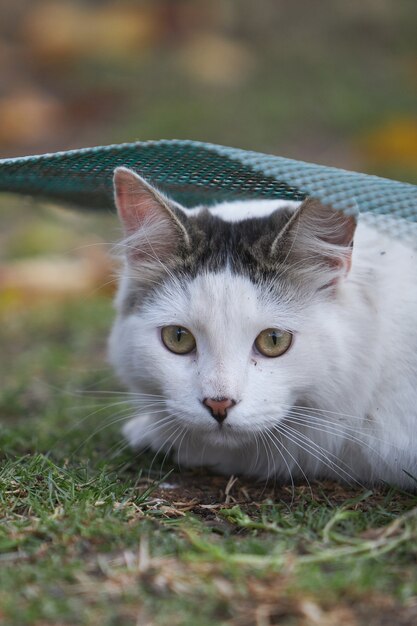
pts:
pixel 212 244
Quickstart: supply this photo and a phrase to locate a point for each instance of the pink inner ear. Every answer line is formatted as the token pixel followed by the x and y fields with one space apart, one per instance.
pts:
pixel 348 264
pixel 133 201
pixel 344 236
pixel 150 224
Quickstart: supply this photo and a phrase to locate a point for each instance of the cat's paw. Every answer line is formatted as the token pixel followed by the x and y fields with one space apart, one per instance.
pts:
pixel 136 431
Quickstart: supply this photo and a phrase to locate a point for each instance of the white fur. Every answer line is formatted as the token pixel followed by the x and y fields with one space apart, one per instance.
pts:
pixel 244 209
pixel 352 365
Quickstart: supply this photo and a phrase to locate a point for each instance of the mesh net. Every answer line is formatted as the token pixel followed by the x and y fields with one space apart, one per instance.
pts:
pixel 194 173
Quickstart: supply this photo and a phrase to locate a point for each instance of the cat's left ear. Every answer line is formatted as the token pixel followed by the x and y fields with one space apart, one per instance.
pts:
pixel 150 219
pixel 317 235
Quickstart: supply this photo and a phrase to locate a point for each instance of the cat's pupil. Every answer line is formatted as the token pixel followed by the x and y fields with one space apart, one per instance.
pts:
pixel 274 338
pixel 179 334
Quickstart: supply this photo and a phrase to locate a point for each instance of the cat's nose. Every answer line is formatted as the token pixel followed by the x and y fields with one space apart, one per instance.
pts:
pixel 218 407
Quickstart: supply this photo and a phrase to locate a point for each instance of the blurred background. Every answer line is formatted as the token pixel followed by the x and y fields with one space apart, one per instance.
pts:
pixel 333 83
pixel 330 82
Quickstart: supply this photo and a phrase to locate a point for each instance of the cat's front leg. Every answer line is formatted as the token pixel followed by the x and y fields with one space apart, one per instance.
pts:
pixel 144 431
pixel 138 432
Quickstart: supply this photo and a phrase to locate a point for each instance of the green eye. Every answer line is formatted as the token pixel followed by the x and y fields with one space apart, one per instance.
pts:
pixel 178 339
pixel 273 342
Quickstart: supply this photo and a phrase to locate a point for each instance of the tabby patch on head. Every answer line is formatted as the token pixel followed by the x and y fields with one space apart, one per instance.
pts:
pixel 306 243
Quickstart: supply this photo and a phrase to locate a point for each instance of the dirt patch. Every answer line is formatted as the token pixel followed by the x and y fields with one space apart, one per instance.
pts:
pixel 204 491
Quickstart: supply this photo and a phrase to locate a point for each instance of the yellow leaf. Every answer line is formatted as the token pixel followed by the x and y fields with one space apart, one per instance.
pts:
pixel 394 143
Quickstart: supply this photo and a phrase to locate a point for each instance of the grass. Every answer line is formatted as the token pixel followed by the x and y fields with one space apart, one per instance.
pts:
pixel 92 534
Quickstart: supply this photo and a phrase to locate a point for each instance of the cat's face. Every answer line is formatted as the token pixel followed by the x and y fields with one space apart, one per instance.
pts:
pixel 224 320
pixel 225 314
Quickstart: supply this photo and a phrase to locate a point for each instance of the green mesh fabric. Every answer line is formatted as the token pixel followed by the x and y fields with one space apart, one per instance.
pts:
pixel 194 173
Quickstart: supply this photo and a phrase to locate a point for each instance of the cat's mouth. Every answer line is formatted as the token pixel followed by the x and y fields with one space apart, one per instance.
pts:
pixel 233 430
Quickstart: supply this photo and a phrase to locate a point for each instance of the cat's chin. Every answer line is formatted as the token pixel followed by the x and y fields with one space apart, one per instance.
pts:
pixel 223 435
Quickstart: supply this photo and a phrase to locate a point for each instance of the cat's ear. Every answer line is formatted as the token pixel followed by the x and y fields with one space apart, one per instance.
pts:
pixel 149 220
pixel 318 237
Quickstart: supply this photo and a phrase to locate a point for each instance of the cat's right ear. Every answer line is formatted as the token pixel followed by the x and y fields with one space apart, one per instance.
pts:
pixel 149 221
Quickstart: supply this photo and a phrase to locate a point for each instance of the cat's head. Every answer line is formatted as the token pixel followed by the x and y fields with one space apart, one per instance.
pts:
pixel 230 321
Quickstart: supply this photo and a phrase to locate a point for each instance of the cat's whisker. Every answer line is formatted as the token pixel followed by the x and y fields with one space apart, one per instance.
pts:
pixel 179 448
pixel 269 458
pixel 203 451
pixel 101 286
pixel 132 244
pixel 153 256
pixel 126 413
pixel 277 447
pixel 161 424
pixel 96 244
pixel 321 411
pixel 140 278
pixel 312 445
pixel 254 462
pixel 153 428
pixel 329 419
pixel 274 434
pixel 174 438
pixel 328 429
pixel 317 452
pixel 157 424
pixel 128 394
pixel 97 407
pixel 132 411
pixel 344 431
pixel 315 419
pixel 187 448
pixel 123 416
pixel 127 403
pixel 102 394
pixel 129 408
pixel 117 449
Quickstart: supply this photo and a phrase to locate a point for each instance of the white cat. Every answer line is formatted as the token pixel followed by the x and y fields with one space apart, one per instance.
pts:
pixel 256 340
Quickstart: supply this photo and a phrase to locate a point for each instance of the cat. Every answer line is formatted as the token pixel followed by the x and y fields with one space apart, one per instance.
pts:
pixel 267 338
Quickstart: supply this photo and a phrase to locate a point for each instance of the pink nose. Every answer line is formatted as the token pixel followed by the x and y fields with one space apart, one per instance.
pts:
pixel 218 407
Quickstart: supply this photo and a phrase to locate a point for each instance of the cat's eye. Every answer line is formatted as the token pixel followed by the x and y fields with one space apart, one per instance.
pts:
pixel 178 339
pixel 273 342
